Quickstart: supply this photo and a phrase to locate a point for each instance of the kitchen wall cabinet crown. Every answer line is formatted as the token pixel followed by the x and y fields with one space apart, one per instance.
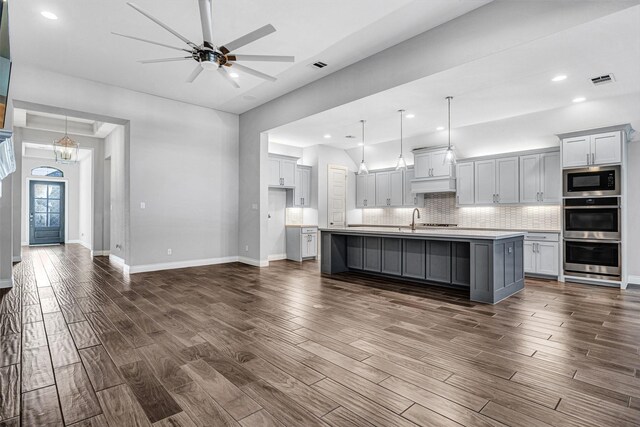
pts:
pixel 282 171
pixel 592 150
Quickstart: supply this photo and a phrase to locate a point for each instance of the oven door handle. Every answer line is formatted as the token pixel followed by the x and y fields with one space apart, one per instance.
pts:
pixel 566 208
pixel 593 240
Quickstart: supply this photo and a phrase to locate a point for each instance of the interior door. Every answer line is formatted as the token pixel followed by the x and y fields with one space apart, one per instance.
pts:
pixel 337 196
pixel 46 212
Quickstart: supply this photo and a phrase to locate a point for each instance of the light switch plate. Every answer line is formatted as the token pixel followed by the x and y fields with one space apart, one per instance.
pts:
pixel 143 205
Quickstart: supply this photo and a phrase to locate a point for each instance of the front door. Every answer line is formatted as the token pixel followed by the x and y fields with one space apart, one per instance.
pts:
pixel 46 212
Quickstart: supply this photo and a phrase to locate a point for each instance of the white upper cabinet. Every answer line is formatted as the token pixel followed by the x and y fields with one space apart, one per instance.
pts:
pixel 540 178
pixel 302 190
pixel 485 181
pixel 411 199
pixel 366 190
pixel 389 188
pixel 465 184
pixel 507 180
pixel 430 164
pixel 591 150
pixel 282 171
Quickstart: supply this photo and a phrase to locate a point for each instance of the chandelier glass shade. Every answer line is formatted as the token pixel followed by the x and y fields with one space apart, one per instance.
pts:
pixel 65 149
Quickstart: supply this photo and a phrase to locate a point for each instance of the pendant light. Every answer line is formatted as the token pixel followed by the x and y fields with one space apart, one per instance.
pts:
pixel 362 170
pixel 66 149
pixel 402 165
pixel 450 155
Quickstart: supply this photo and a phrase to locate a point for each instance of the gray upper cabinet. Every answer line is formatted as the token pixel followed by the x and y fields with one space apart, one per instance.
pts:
pixel 465 182
pixel 282 171
pixel 302 190
pixel 389 188
pixel 366 190
pixel 411 199
pixel 592 150
pixel 496 181
pixel 430 164
pixel 540 178
pixel 485 181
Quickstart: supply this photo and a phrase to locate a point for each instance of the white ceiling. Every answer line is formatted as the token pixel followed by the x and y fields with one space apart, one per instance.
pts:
pixel 508 85
pixel 56 123
pixel 337 32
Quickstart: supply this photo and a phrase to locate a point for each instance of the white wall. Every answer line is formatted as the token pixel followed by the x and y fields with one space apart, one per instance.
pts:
pixel 71 177
pixel 6 217
pixel 285 150
pixel 115 150
pixel 633 209
pixel 180 159
pixel 85 201
pixel 277 237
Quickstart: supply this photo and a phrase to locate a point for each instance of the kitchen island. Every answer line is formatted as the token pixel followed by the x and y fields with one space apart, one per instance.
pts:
pixel 486 262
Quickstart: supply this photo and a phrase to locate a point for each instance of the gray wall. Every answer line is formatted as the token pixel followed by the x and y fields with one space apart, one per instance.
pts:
pixel 469 37
pixel 633 208
pixel 6 218
pixel 115 150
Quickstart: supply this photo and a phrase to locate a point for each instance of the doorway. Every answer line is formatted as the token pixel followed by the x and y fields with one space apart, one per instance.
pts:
pixel 46 212
pixel 337 196
pixel 277 213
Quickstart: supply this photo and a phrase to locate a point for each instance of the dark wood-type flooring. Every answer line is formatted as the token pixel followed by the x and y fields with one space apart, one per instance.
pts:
pixel 83 344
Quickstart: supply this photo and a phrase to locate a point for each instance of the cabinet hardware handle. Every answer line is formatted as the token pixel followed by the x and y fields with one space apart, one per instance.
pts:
pixel 458 199
pixel 542 196
pixel 588 158
pixel 593 158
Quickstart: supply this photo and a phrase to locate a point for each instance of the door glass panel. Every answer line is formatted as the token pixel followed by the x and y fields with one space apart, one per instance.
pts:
pixel 54 220
pixel 54 206
pixel 40 191
pixel 54 191
pixel 40 220
pixel 40 205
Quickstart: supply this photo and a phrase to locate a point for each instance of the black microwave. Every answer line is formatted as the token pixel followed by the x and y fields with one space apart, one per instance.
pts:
pixel 593 181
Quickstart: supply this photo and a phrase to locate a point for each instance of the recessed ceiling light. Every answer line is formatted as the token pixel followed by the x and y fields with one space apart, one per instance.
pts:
pixel 410 116
pixel 327 136
pixel 360 144
pixel 559 78
pixel 579 99
pixel 234 75
pixel 440 128
pixel 48 15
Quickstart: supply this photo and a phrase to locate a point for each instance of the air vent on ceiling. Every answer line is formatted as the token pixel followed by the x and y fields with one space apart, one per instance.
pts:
pixel 350 137
pixel 601 80
pixel 319 64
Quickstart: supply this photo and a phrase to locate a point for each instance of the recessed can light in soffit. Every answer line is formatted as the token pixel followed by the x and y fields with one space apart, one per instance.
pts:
pixel 579 99
pixel 327 136
pixel 48 15
pixel 440 128
pixel 559 78
pixel 410 116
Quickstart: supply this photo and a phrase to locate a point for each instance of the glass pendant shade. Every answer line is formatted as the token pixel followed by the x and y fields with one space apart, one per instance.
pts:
pixel 65 149
pixel 402 165
pixel 362 170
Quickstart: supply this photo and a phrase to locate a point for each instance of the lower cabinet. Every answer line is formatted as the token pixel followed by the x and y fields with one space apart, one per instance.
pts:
pixel 372 254
pixel 414 257
pixel 541 254
pixel 439 261
pixel 460 264
pixel 354 252
pixel 392 256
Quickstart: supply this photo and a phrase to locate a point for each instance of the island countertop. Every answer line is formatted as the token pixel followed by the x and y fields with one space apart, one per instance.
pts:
pixel 446 233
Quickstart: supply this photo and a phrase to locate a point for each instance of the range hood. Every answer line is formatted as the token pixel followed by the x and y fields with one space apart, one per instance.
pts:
pixel 433 185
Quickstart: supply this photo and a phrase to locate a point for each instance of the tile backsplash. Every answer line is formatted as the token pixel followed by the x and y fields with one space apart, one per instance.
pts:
pixel 441 208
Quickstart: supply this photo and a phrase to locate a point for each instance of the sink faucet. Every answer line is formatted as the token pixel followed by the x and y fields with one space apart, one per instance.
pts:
pixel 413 218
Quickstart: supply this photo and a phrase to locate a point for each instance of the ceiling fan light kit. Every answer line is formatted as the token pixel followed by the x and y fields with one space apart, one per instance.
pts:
pixel 209 56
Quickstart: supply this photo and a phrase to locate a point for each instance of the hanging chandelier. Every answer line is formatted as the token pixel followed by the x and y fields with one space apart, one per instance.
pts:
pixel 66 149
pixel 402 165
pixel 362 170
pixel 450 155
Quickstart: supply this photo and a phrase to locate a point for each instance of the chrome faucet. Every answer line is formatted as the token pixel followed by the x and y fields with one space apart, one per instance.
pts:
pixel 413 218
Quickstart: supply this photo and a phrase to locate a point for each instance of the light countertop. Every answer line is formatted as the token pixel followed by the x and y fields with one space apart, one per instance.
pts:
pixel 422 227
pixel 445 233
pixel 301 226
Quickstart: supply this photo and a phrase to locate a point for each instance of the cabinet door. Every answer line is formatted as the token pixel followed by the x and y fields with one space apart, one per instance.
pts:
pixel 411 199
pixel 422 165
pixel 439 261
pixel 354 252
pixel 507 180
pixel 306 187
pixel 485 181
pixel 413 258
pixel 530 179
pixel 392 256
pixel 361 190
pixel 274 172
pixel 464 184
pixel 304 240
pixel 547 258
pixel 550 178
pixel 370 197
pixel 298 190
pixel 606 148
pixel 382 188
pixel 396 188
pixel 460 264
pixel 311 244
pixel 529 257
pixel 372 254
pixel 438 166
pixel 288 172
pixel 576 151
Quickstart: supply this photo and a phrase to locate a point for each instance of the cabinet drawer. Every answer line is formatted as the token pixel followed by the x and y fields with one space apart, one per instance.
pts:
pixel 542 237
pixel 309 230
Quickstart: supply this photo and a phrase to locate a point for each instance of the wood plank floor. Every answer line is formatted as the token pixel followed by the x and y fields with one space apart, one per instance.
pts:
pixel 84 344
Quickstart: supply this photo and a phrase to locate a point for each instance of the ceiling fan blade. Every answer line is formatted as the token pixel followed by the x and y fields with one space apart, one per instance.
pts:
pixel 206 20
pixel 150 41
pixel 194 74
pixel 153 61
pixel 262 58
pixel 247 38
pixel 162 24
pixel 253 72
pixel 227 77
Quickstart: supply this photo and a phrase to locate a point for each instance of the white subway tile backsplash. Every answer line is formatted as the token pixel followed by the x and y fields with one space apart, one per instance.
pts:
pixel 441 208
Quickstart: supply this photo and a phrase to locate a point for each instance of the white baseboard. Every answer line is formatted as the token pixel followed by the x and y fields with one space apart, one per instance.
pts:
pixel 116 260
pixel 178 264
pixel 277 257
pixel 17 258
pixel 24 243
pixel 254 262
pixel 99 253
pixel 75 242
pixel 634 280
pixel 6 283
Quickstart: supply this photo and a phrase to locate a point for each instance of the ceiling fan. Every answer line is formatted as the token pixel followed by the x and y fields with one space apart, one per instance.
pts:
pixel 209 56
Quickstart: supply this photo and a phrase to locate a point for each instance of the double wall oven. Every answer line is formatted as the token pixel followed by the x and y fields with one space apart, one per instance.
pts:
pixel 592 223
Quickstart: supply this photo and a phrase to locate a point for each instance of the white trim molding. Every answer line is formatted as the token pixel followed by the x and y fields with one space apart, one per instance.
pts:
pixel 634 280
pixel 17 258
pixel 116 260
pixel 254 262
pixel 99 253
pixel 6 283
pixel 177 264
pixel 277 257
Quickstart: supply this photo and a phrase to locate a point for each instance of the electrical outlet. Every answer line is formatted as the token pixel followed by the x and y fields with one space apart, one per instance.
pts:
pixel 143 205
pixel 169 251
pixel 246 248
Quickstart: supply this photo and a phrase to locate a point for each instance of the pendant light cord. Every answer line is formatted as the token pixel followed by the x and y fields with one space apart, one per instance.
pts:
pixel 401 112
pixel 362 121
pixel 449 98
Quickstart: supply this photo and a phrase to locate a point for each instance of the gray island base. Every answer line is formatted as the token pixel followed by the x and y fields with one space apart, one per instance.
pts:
pixel 488 263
